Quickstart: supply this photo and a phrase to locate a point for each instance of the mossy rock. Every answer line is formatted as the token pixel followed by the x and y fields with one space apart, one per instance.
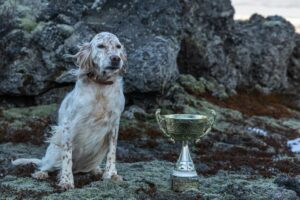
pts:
pixel 27 112
pixel 137 128
pixel 24 186
pixel 151 180
pixel 26 124
pixel 28 23
pixel 40 27
pixel 67 30
pixel 191 84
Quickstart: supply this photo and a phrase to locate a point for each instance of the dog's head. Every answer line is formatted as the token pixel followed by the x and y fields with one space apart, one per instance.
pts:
pixel 104 57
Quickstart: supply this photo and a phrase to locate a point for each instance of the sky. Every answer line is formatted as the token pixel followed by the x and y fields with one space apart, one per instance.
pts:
pixel 290 9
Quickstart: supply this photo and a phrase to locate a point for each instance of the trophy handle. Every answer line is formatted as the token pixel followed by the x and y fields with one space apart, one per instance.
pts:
pixel 160 120
pixel 211 121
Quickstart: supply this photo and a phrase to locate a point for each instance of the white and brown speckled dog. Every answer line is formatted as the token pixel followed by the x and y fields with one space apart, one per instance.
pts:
pixel 89 116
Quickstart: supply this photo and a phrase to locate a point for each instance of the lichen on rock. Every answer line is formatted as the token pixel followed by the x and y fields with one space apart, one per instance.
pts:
pixel 26 124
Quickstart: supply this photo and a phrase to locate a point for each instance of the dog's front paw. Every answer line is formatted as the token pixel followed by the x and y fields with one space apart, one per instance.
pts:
pixel 117 178
pixel 40 175
pixel 64 185
pixel 97 171
pixel 112 175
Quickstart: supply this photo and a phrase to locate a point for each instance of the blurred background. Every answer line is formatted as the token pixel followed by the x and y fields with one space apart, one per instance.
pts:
pixel 289 9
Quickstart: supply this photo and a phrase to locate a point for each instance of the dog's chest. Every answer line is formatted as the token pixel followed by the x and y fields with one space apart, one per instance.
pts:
pixel 91 131
pixel 101 104
pixel 108 105
pixel 102 114
pixel 106 110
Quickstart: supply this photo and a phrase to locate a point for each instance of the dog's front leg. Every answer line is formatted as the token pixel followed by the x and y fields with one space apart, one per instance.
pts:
pixel 66 176
pixel 110 169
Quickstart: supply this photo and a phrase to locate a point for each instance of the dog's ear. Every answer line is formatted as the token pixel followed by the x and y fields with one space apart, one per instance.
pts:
pixel 84 57
pixel 124 59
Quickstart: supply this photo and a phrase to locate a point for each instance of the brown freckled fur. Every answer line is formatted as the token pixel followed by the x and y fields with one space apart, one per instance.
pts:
pixel 101 98
pixel 84 58
pixel 100 114
pixel 109 114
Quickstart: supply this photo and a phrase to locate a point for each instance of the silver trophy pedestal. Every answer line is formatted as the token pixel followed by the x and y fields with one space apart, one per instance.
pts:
pixel 184 176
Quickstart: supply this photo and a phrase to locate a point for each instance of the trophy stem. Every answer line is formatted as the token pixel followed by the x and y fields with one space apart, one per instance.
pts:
pixel 185 166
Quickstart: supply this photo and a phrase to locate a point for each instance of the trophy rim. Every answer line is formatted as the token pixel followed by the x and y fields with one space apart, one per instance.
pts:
pixel 171 124
pixel 185 116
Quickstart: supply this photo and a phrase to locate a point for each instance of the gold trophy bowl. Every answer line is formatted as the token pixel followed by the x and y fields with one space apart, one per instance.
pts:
pixel 185 127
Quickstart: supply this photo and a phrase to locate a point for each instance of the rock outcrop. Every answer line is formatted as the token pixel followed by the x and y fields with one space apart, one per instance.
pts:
pixel 34 62
pixel 251 54
pixel 162 38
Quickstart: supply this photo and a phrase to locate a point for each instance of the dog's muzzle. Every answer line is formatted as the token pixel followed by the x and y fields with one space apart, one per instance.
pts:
pixel 115 63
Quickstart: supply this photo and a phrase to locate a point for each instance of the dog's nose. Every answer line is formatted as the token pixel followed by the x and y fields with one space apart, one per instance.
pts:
pixel 115 60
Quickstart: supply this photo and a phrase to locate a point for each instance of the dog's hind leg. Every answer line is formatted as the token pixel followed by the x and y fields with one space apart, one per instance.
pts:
pixel 50 162
pixel 52 159
pixel 38 162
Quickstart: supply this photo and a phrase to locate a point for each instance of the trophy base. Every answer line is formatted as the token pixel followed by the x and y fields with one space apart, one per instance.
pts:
pixel 186 174
pixel 181 184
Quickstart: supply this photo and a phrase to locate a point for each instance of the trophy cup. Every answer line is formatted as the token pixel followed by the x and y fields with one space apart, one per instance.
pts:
pixel 185 127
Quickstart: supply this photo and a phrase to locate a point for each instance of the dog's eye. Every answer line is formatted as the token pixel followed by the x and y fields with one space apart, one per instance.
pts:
pixel 118 46
pixel 101 46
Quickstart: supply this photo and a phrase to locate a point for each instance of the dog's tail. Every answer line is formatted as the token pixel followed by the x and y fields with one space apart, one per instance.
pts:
pixel 25 161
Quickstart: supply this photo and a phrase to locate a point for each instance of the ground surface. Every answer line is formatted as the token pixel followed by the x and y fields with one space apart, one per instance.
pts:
pixel 142 180
pixel 245 156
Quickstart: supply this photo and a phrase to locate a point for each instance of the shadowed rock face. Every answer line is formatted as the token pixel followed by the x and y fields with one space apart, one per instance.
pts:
pixel 244 54
pixel 34 62
pixel 200 37
pixel 294 67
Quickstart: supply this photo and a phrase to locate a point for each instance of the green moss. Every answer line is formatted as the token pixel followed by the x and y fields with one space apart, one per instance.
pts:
pixel 151 180
pixel 39 27
pixel 67 30
pixel 17 124
pixel 209 85
pixel 292 123
pixel 34 111
pixel 25 186
pixel 25 124
pixel 28 23
pixel 191 85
